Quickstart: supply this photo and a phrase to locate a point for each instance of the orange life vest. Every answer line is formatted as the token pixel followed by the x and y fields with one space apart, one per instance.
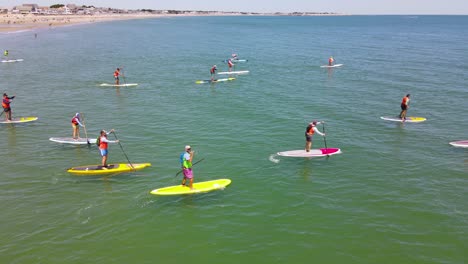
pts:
pixel 405 100
pixel 6 103
pixel 102 144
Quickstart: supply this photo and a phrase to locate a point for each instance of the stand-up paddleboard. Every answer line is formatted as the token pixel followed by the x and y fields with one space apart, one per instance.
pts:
pixel 111 168
pixel 17 120
pixel 332 66
pixel 118 85
pixel 69 140
pixel 17 60
pixel 215 80
pixel 234 72
pixel 460 144
pixel 409 119
pixel 323 152
pixel 235 61
pixel 198 187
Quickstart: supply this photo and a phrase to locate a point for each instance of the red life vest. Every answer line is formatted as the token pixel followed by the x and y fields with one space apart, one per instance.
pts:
pixel 102 144
pixel 74 121
pixel 405 100
pixel 116 74
pixel 213 70
pixel 6 103
pixel 311 130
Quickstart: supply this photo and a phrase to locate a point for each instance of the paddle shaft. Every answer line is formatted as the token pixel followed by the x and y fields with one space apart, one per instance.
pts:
pixel 84 127
pixel 131 165
pixel 325 138
pixel 123 76
pixel 192 166
pixel 2 112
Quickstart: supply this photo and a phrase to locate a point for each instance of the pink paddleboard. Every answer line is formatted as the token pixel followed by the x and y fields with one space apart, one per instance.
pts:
pixel 460 144
pixel 323 152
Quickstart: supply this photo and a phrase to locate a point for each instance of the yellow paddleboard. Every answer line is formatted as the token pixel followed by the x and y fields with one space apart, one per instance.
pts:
pixel 409 119
pixel 20 120
pixel 111 168
pixel 198 187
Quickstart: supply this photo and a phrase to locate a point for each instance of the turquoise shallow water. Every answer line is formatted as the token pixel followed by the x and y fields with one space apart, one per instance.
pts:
pixel 397 194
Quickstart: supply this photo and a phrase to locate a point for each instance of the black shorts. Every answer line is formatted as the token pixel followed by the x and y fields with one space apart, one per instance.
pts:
pixel 404 107
pixel 6 109
pixel 308 138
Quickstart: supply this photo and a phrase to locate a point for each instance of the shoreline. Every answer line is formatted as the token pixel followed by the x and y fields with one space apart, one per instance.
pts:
pixel 11 23
pixel 20 23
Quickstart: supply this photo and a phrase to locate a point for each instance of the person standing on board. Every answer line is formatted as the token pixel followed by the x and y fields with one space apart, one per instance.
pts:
pixel 310 131
pixel 404 106
pixel 331 61
pixel 116 76
pixel 213 72
pixel 230 64
pixel 76 126
pixel 186 160
pixel 103 145
pixel 6 106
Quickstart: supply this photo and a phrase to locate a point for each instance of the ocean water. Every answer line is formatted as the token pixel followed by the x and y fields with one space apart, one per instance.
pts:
pixel 397 193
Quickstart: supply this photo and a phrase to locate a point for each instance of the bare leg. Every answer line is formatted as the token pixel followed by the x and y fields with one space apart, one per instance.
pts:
pixel 104 161
pixel 308 146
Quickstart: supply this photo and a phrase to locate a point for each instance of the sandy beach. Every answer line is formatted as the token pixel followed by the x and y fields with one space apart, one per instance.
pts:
pixel 12 23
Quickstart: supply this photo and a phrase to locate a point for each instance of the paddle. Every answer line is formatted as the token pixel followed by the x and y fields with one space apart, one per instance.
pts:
pixel 325 138
pixel 86 133
pixel 2 112
pixel 192 166
pixel 131 165
pixel 123 77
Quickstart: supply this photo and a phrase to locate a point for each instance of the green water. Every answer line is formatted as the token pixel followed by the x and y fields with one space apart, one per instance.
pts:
pixel 397 194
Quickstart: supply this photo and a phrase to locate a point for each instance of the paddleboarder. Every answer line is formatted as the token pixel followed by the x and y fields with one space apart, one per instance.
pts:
pixel 6 106
pixel 116 76
pixel 310 131
pixel 103 145
pixel 213 72
pixel 186 160
pixel 230 64
pixel 76 126
pixel 404 106
pixel 331 61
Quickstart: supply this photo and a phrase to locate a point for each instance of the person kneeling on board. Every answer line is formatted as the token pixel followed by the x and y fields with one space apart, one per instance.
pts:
pixel 310 130
pixel 103 145
pixel 186 160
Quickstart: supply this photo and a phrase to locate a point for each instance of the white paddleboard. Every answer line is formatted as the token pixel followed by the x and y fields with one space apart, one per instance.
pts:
pixel 17 120
pixel 460 144
pixel 234 72
pixel 409 119
pixel 69 140
pixel 323 152
pixel 118 85
pixel 17 60
pixel 333 66
pixel 235 60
